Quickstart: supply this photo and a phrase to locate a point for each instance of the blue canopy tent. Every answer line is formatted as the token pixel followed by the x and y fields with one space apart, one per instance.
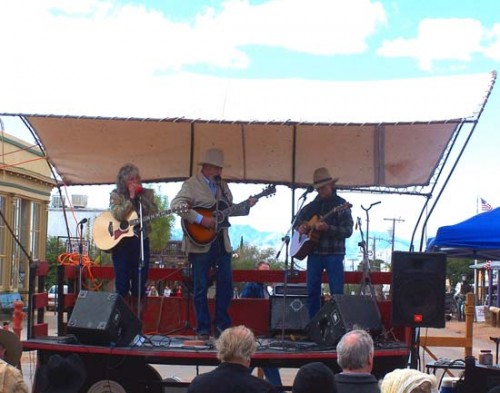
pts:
pixel 477 238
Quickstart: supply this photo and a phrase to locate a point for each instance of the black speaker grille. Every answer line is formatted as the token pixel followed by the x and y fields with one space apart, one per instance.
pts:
pixel 418 289
pixel 103 318
pixel 295 311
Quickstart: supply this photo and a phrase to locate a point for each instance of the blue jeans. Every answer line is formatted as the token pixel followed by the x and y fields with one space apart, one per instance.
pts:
pixel 334 266
pixel 272 375
pixel 126 262
pixel 220 260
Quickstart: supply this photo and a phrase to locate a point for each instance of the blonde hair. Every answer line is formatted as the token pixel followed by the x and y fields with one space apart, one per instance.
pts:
pixel 236 343
pixel 408 381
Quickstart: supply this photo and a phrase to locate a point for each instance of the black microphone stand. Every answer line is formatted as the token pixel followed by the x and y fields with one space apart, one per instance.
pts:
pixel 80 256
pixel 141 262
pixel 285 243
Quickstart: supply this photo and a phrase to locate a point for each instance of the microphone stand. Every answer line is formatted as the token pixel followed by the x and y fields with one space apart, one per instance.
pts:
pixel 141 262
pixel 80 257
pixel 285 243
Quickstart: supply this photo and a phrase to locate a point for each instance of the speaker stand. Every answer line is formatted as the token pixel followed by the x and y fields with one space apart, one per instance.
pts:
pixel 414 345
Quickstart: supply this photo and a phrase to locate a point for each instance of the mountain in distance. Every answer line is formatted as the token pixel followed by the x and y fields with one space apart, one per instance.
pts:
pixel 263 240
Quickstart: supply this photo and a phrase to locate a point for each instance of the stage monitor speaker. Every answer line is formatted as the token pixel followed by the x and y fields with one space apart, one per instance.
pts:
pixel 418 289
pixel 295 313
pixel 103 318
pixel 342 314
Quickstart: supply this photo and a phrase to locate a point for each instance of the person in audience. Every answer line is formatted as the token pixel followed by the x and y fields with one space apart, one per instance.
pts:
pixel 235 348
pixel 355 352
pixel 314 377
pixel 11 378
pixel 408 381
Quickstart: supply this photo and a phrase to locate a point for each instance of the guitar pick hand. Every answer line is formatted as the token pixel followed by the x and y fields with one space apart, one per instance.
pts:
pixel 208 222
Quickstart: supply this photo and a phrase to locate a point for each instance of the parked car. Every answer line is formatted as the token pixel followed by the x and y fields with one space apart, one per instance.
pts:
pixel 52 304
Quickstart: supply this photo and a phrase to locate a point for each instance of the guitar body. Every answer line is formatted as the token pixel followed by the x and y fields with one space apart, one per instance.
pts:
pixel 302 245
pixel 200 235
pixel 108 231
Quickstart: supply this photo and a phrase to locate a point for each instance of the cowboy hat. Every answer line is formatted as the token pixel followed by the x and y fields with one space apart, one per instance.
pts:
pixel 321 177
pixel 213 157
pixel 12 345
pixel 61 375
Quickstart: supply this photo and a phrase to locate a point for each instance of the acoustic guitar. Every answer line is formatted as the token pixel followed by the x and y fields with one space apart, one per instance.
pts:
pixel 108 231
pixel 302 245
pixel 202 236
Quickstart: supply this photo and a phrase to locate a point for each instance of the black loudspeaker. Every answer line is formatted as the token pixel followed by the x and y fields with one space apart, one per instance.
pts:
pixel 295 309
pixel 342 314
pixel 418 289
pixel 103 318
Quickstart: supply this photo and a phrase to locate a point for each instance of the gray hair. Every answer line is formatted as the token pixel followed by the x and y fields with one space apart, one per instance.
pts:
pixel 126 172
pixel 236 343
pixel 354 349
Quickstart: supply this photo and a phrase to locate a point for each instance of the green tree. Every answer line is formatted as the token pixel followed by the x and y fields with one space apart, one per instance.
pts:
pixel 456 267
pixel 54 249
pixel 161 227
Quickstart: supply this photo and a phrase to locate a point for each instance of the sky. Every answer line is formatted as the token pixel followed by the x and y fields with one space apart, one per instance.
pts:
pixel 75 55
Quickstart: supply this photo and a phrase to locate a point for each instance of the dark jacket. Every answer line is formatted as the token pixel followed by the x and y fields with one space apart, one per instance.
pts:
pixel 229 378
pixel 356 383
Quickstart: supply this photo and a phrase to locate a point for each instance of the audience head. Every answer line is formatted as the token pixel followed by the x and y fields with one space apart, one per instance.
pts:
pixel 314 377
pixel 355 351
pixel 236 345
pixel 263 265
pixel 408 381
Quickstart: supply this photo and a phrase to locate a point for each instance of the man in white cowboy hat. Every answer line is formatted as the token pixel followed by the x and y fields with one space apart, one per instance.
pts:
pixel 328 235
pixel 11 379
pixel 206 240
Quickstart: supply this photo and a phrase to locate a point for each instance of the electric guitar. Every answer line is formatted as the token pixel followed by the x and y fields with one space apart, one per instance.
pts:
pixel 108 231
pixel 302 245
pixel 202 236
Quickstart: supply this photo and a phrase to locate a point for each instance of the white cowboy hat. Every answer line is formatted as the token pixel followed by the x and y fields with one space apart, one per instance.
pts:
pixel 213 157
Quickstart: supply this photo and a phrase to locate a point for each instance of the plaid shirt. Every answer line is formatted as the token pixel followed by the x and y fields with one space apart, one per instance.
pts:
pixel 341 224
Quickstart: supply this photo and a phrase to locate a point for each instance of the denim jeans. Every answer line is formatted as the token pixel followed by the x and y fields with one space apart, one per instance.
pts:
pixel 334 266
pixel 126 261
pixel 220 260
pixel 272 375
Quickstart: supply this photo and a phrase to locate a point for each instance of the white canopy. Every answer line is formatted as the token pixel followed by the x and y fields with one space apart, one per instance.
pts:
pixel 372 134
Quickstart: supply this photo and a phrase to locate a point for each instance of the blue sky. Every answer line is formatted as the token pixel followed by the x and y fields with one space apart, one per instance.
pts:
pixel 70 54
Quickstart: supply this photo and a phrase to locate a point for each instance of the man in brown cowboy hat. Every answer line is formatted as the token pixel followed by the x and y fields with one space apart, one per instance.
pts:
pixel 11 379
pixel 207 241
pixel 329 236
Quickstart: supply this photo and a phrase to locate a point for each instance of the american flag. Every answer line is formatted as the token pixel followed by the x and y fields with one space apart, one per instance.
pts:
pixel 488 265
pixel 485 206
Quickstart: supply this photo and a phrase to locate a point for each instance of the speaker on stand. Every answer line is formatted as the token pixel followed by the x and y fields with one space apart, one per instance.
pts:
pixel 418 289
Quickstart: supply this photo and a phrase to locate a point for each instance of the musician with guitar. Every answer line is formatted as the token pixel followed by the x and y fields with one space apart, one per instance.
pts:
pixel 126 199
pixel 326 222
pixel 206 239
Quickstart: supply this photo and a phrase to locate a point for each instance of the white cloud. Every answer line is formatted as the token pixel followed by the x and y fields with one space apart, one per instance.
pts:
pixel 492 50
pixel 438 39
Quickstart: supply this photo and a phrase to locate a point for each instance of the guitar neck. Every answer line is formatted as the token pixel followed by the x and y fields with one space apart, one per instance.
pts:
pixel 150 217
pixel 336 209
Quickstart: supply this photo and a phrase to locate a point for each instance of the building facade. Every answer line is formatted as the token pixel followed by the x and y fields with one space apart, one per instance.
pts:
pixel 25 186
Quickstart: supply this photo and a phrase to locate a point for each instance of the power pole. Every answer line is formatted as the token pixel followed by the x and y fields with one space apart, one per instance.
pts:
pixel 394 220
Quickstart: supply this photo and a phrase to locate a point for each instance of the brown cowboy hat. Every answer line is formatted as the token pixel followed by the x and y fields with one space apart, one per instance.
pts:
pixel 213 157
pixel 322 177
pixel 12 345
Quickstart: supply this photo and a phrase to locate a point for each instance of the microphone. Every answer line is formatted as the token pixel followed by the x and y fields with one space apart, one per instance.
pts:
pixel 83 221
pixel 217 179
pixel 139 189
pixel 307 191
